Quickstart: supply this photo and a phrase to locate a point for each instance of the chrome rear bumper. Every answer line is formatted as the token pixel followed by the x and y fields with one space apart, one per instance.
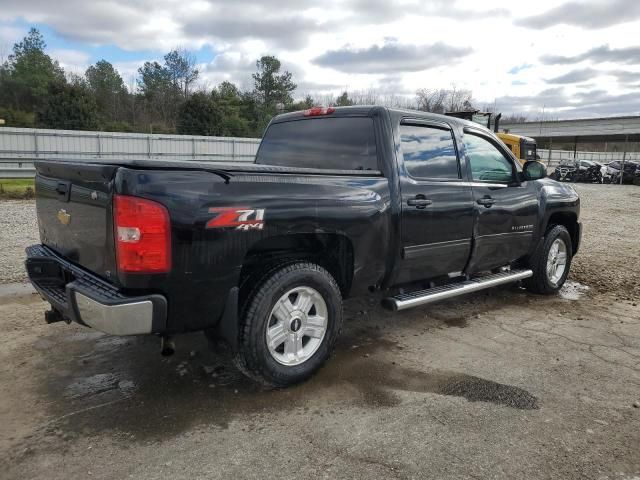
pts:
pixel 80 296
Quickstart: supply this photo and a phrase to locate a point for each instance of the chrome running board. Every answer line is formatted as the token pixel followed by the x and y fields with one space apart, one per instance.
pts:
pixel 422 297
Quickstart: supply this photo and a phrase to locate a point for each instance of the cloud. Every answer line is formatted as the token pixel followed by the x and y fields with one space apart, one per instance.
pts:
pixel 231 62
pixel 575 76
pixel 550 98
pixel 391 58
pixel 309 86
pixel 162 24
pixel 141 24
pixel 233 23
pixel 591 103
pixel 625 76
pixel 588 74
pixel 385 11
pixel 601 54
pixel 590 15
pixel 601 102
pixel 69 59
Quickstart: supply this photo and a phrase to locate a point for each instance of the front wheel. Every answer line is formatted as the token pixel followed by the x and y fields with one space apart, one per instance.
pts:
pixel 551 262
pixel 289 325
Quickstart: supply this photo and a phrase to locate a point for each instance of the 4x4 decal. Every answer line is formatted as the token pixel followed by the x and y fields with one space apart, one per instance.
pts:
pixel 242 218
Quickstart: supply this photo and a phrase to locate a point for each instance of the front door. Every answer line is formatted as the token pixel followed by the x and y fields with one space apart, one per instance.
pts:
pixel 437 206
pixel 505 208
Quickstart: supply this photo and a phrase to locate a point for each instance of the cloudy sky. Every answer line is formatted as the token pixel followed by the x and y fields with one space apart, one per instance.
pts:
pixel 571 59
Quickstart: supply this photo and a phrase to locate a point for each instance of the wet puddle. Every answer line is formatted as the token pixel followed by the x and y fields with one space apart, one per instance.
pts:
pixel 98 384
pixel 198 387
pixel 379 382
pixel 102 383
pixel 572 290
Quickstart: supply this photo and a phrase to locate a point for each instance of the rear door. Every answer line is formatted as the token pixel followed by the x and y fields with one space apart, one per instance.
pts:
pixel 437 206
pixel 73 203
pixel 505 208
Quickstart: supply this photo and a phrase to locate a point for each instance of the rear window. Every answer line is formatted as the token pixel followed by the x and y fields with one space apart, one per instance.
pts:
pixel 328 143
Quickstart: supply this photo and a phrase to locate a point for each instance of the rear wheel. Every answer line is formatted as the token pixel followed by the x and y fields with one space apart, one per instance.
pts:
pixel 551 262
pixel 289 325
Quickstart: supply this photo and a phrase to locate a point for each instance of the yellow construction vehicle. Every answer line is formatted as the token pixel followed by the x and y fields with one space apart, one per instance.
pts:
pixel 524 148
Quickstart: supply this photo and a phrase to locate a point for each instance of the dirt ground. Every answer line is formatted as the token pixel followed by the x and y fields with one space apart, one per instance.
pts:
pixel 502 384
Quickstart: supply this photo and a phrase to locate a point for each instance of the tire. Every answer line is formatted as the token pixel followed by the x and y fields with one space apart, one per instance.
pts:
pixel 548 281
pixel 289 324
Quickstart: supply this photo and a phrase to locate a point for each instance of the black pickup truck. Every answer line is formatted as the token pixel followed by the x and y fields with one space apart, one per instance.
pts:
pixel 339 203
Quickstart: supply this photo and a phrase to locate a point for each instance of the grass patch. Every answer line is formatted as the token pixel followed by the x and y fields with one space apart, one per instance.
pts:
pixel 16 188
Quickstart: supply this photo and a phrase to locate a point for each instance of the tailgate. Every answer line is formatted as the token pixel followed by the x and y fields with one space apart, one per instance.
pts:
pixel 73 202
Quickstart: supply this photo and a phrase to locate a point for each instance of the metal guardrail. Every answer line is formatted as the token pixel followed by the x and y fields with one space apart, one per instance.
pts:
pixel 16 169
pixel 20 147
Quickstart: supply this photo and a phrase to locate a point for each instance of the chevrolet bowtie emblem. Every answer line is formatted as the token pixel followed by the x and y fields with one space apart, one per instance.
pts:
pixel 64 217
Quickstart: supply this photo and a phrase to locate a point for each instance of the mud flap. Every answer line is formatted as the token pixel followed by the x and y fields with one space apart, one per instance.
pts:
pixel 227 328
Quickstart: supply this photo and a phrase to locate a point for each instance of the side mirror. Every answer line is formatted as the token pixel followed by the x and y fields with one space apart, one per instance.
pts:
pixel 533 170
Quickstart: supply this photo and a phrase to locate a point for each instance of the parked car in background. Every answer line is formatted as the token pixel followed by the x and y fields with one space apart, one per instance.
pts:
pixel 629 175
pixel 579 171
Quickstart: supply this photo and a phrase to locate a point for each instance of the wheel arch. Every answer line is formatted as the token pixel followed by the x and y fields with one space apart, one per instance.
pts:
pixel 332 251
pixel 569 220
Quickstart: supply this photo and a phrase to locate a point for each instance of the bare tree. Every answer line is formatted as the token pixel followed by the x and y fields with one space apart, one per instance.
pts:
pixel 431 99
pixel 459 99
pixel 441 100
pixel 515 118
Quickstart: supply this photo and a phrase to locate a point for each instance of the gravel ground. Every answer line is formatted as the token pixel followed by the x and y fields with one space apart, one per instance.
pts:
pixel 611 242
pixel 501 384
pixel 18 230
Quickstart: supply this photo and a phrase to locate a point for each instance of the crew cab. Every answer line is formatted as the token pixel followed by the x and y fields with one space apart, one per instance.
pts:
pixel 339 203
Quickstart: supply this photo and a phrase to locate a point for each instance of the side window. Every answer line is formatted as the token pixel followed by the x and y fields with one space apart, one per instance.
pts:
pixel 488 164
pixel 429 152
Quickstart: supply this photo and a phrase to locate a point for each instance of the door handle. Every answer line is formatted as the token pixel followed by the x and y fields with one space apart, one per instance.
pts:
pixel 419 202
pixel 487 201
pixel 62 188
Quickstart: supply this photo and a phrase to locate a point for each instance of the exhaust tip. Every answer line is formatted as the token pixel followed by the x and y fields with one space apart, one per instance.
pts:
pixel 389 304
pixel 167 346
pixel 53 316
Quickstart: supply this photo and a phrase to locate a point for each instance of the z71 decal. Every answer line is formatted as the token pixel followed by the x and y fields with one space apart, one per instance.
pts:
pixel 242 218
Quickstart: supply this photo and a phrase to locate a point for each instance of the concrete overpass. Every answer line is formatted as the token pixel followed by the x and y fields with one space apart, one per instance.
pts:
pixel 611 134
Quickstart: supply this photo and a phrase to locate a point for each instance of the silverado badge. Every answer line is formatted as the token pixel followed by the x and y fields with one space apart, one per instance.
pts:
pixel 64 217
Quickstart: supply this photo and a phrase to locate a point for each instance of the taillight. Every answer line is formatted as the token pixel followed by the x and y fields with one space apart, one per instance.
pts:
pixel 318 111
pixel 143 235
